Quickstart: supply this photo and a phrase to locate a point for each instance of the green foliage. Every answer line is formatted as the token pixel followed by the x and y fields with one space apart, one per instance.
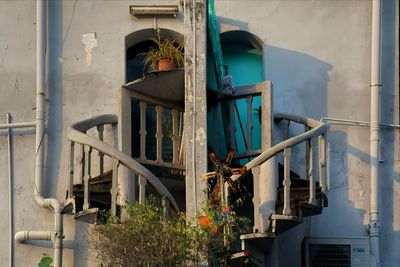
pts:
pixel 164 49
pixel 223 228
pixel 46 262
pixel 147 238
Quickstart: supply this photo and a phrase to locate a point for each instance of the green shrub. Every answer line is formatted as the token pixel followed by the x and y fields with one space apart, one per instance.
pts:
pixel 147 238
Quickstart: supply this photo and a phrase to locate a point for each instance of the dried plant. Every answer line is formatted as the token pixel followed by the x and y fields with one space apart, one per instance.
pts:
pixel 147 238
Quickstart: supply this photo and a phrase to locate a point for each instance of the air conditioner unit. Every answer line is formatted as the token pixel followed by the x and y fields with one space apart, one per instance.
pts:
pixel 336 252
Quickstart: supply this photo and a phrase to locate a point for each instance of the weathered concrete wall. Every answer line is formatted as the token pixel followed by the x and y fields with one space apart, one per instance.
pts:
pixel 317 55
pixel 84 79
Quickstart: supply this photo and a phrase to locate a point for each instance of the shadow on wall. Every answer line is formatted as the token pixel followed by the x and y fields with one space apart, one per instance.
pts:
pixel 345 174
pixel 300 81
pixel 55 96
pixel 300 85
pixel 55 126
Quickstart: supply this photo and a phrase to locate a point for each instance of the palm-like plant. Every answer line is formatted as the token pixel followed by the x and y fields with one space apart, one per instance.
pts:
pixel 164 49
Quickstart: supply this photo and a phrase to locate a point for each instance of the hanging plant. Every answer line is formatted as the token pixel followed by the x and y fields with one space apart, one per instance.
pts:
pixel 166 55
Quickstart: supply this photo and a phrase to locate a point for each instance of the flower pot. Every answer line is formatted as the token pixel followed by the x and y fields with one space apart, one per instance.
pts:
pixel 166 64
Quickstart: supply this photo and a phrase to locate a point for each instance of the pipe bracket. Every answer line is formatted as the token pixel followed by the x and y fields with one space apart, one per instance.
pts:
pixel 373 228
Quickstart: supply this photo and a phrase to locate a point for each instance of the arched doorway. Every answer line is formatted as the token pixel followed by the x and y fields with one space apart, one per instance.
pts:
pixel 244 59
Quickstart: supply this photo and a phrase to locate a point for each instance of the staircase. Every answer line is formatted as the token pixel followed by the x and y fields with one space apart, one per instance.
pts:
pixel 296 198
pixel 97 188
pixel 92 192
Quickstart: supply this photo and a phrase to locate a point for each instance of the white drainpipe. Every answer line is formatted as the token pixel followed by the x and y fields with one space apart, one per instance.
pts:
pixel 374 225
pixel 53 204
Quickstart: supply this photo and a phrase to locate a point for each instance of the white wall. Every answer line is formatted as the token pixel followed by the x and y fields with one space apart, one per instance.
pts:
pixel 76 91
pixel 317 55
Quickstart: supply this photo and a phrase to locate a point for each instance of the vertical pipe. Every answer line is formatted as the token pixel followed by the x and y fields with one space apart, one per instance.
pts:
pixel 40 95
pixel 51 203
pixel 375 85
pixel 58 240
pixel 10 194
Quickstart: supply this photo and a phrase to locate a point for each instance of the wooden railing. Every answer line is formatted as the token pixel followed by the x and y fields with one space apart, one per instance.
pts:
pixel 164 117
pixel 228 105
pixel 164 129
pixel 314 130
pixel 77 135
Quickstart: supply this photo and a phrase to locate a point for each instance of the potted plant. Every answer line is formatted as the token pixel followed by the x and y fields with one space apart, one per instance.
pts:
pixel 166 55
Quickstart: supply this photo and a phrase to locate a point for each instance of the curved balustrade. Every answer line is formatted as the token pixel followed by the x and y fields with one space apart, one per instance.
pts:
pixel 314 129
pixel 77 134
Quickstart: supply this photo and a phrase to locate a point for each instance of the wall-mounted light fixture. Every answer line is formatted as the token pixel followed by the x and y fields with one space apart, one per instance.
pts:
pixel 153 10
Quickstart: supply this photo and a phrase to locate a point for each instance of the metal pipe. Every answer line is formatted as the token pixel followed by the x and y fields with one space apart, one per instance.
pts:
pixel 58 238
pixel 10 195
pixel 18 125
pixel 23 236
pixel 50 203
pixel 358 123
pixel 374 225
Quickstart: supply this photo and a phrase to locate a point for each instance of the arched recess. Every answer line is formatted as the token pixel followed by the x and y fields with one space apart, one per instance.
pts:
pixel 243 54
pixel 130 113
pixel 138 42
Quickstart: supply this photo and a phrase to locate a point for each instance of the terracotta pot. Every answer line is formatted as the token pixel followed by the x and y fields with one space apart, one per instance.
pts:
pixel 166 64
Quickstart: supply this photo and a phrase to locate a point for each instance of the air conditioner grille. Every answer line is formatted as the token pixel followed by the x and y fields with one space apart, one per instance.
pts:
pixel 330 255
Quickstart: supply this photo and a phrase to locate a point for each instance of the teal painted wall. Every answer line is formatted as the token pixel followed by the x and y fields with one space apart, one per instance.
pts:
pixel 245 64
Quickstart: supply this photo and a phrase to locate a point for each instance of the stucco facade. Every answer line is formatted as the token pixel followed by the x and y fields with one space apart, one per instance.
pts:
pixel 315 53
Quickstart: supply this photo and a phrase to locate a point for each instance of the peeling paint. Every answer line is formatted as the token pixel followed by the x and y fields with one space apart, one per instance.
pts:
pixel 90 42
pixel 201 136
pixel 16 84
pixel 61 60
pixel 361 194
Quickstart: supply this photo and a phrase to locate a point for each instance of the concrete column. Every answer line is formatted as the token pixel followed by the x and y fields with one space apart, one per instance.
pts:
pixel 126 180
pixel 268 181
pixel 195 102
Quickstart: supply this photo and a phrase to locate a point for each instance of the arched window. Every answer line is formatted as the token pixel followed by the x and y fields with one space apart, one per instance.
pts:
pixel 139 42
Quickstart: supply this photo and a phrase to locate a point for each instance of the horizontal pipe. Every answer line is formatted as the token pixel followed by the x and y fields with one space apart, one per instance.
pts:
pixel 18 125
pixel 23 236
pixel 359 123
